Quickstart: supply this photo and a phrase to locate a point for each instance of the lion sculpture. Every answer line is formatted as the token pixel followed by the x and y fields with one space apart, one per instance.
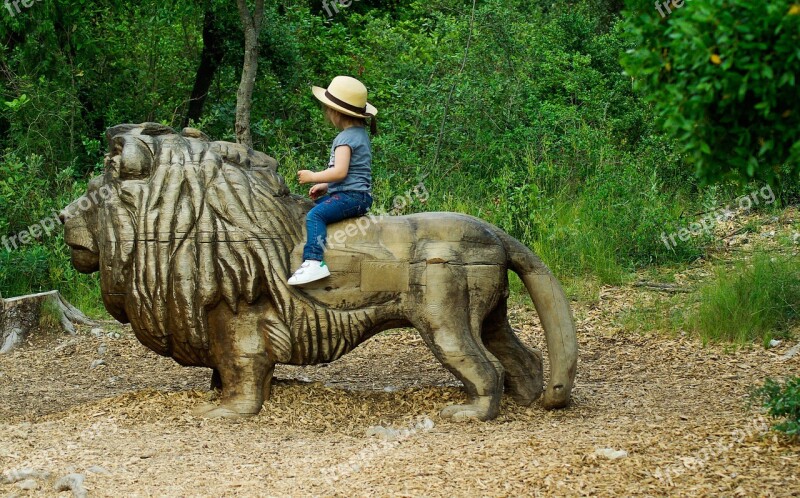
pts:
pixel 194 241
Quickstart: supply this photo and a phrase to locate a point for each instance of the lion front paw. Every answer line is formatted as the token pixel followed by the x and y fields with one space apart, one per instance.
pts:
pixel 484 408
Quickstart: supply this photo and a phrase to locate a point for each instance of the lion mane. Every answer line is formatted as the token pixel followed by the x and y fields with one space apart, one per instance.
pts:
pixel 217 219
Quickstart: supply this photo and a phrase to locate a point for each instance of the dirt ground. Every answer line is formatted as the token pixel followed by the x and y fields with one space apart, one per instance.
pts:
pixel 677 409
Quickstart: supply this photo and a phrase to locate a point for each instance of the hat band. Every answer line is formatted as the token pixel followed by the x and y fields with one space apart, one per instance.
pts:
pixel 349 107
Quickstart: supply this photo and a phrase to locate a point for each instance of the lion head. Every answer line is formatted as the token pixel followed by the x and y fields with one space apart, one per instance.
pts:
pixel 176 224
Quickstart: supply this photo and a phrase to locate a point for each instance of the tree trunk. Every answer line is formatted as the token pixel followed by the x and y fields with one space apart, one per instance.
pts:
pixel 20 315
pixel 210 59
pixel 251 25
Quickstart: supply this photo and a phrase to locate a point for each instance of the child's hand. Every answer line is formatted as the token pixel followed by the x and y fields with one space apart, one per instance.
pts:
pixel 305 176
pixel 318 190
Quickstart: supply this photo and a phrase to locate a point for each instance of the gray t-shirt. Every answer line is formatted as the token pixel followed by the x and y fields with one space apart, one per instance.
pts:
pixel 359 175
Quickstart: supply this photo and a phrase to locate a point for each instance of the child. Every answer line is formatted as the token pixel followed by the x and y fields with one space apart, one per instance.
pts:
pixel 348 179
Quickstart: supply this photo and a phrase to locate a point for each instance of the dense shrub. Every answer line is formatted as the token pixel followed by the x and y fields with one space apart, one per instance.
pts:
pixel 535 127
pixel 722 76
pixel 782 402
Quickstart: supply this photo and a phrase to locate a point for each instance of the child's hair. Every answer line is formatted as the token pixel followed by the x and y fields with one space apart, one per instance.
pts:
pixel 341 120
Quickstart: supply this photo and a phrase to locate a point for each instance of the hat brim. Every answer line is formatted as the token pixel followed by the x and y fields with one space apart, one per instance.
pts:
pixel 319 93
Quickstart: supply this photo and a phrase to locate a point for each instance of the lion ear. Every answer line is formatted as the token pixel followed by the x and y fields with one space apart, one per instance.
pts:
pixel 135 159
pixel 194 133
pixel 155 129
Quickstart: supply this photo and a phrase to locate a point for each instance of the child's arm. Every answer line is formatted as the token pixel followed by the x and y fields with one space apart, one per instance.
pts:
pixel 318 190
pixel 341 165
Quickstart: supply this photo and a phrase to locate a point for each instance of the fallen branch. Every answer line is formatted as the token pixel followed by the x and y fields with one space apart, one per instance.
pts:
pixel 657 286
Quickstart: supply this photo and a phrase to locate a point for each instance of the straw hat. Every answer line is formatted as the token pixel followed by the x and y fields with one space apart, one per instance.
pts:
pixel 347 95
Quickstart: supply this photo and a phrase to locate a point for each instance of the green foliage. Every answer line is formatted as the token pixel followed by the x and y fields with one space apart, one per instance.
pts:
pixel 782 402
pixel 758 300
pixel 722 77
pixel 535 128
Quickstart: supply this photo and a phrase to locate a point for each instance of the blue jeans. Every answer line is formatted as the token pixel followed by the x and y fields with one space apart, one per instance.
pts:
pixel 330 209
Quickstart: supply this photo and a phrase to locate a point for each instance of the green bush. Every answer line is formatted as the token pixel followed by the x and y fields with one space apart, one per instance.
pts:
pixel 755 301
pixel 782 402
pixel 722 76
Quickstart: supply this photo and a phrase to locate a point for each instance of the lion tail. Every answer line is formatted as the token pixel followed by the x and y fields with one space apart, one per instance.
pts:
pixel 554 311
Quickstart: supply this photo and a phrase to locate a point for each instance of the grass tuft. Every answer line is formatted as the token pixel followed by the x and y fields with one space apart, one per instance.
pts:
pixel 755 301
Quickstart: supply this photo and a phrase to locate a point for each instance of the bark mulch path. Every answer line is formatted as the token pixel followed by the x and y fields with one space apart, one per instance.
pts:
pixel 652 416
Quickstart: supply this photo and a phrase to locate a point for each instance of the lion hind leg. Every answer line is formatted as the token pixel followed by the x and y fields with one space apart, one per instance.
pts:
pixel 471 364
pixel 523 365
pixel 446 325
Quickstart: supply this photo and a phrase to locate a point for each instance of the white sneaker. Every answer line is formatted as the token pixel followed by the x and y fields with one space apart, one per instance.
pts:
pixel 309 271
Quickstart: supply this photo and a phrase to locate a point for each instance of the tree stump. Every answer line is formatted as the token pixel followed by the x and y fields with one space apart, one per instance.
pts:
pixel 20 315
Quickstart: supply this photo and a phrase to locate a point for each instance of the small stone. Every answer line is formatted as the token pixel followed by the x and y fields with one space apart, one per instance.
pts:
pixel 390 389
pixel 610 453
pixel 102 349
pixel 96 469
pixel 98 332
pixel 774 342
pixel 67 348
pixel 796 237
pixel 28 485
pixel 425 424
pixel 387 433
pixel 74 483
pixel 23 474
pixel 97 363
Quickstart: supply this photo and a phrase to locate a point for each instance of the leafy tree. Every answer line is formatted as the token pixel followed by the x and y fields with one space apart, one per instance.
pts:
pixel 723 78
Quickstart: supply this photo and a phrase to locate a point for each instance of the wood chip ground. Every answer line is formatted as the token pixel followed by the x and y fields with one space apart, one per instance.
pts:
pixel 653 415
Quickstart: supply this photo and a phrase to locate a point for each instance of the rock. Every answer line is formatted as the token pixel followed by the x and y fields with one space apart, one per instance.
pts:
pixel 98 332
pixel 791 353
pixel 28 485
pixel 774 342
pixel 610 453
pixel 74 483
pixel 96 469
pixel 390 389
pixel 97 363
pixel 113 335
pixel 67 347
pixel 23 474
pixel 796 237
pixel 102 349
pixel 385 433
pixel 425 424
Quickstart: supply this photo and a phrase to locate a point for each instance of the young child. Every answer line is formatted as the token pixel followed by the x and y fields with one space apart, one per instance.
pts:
pixel 348 179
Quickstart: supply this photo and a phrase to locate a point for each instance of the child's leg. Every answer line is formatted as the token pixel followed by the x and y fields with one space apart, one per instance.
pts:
pixel 332 208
